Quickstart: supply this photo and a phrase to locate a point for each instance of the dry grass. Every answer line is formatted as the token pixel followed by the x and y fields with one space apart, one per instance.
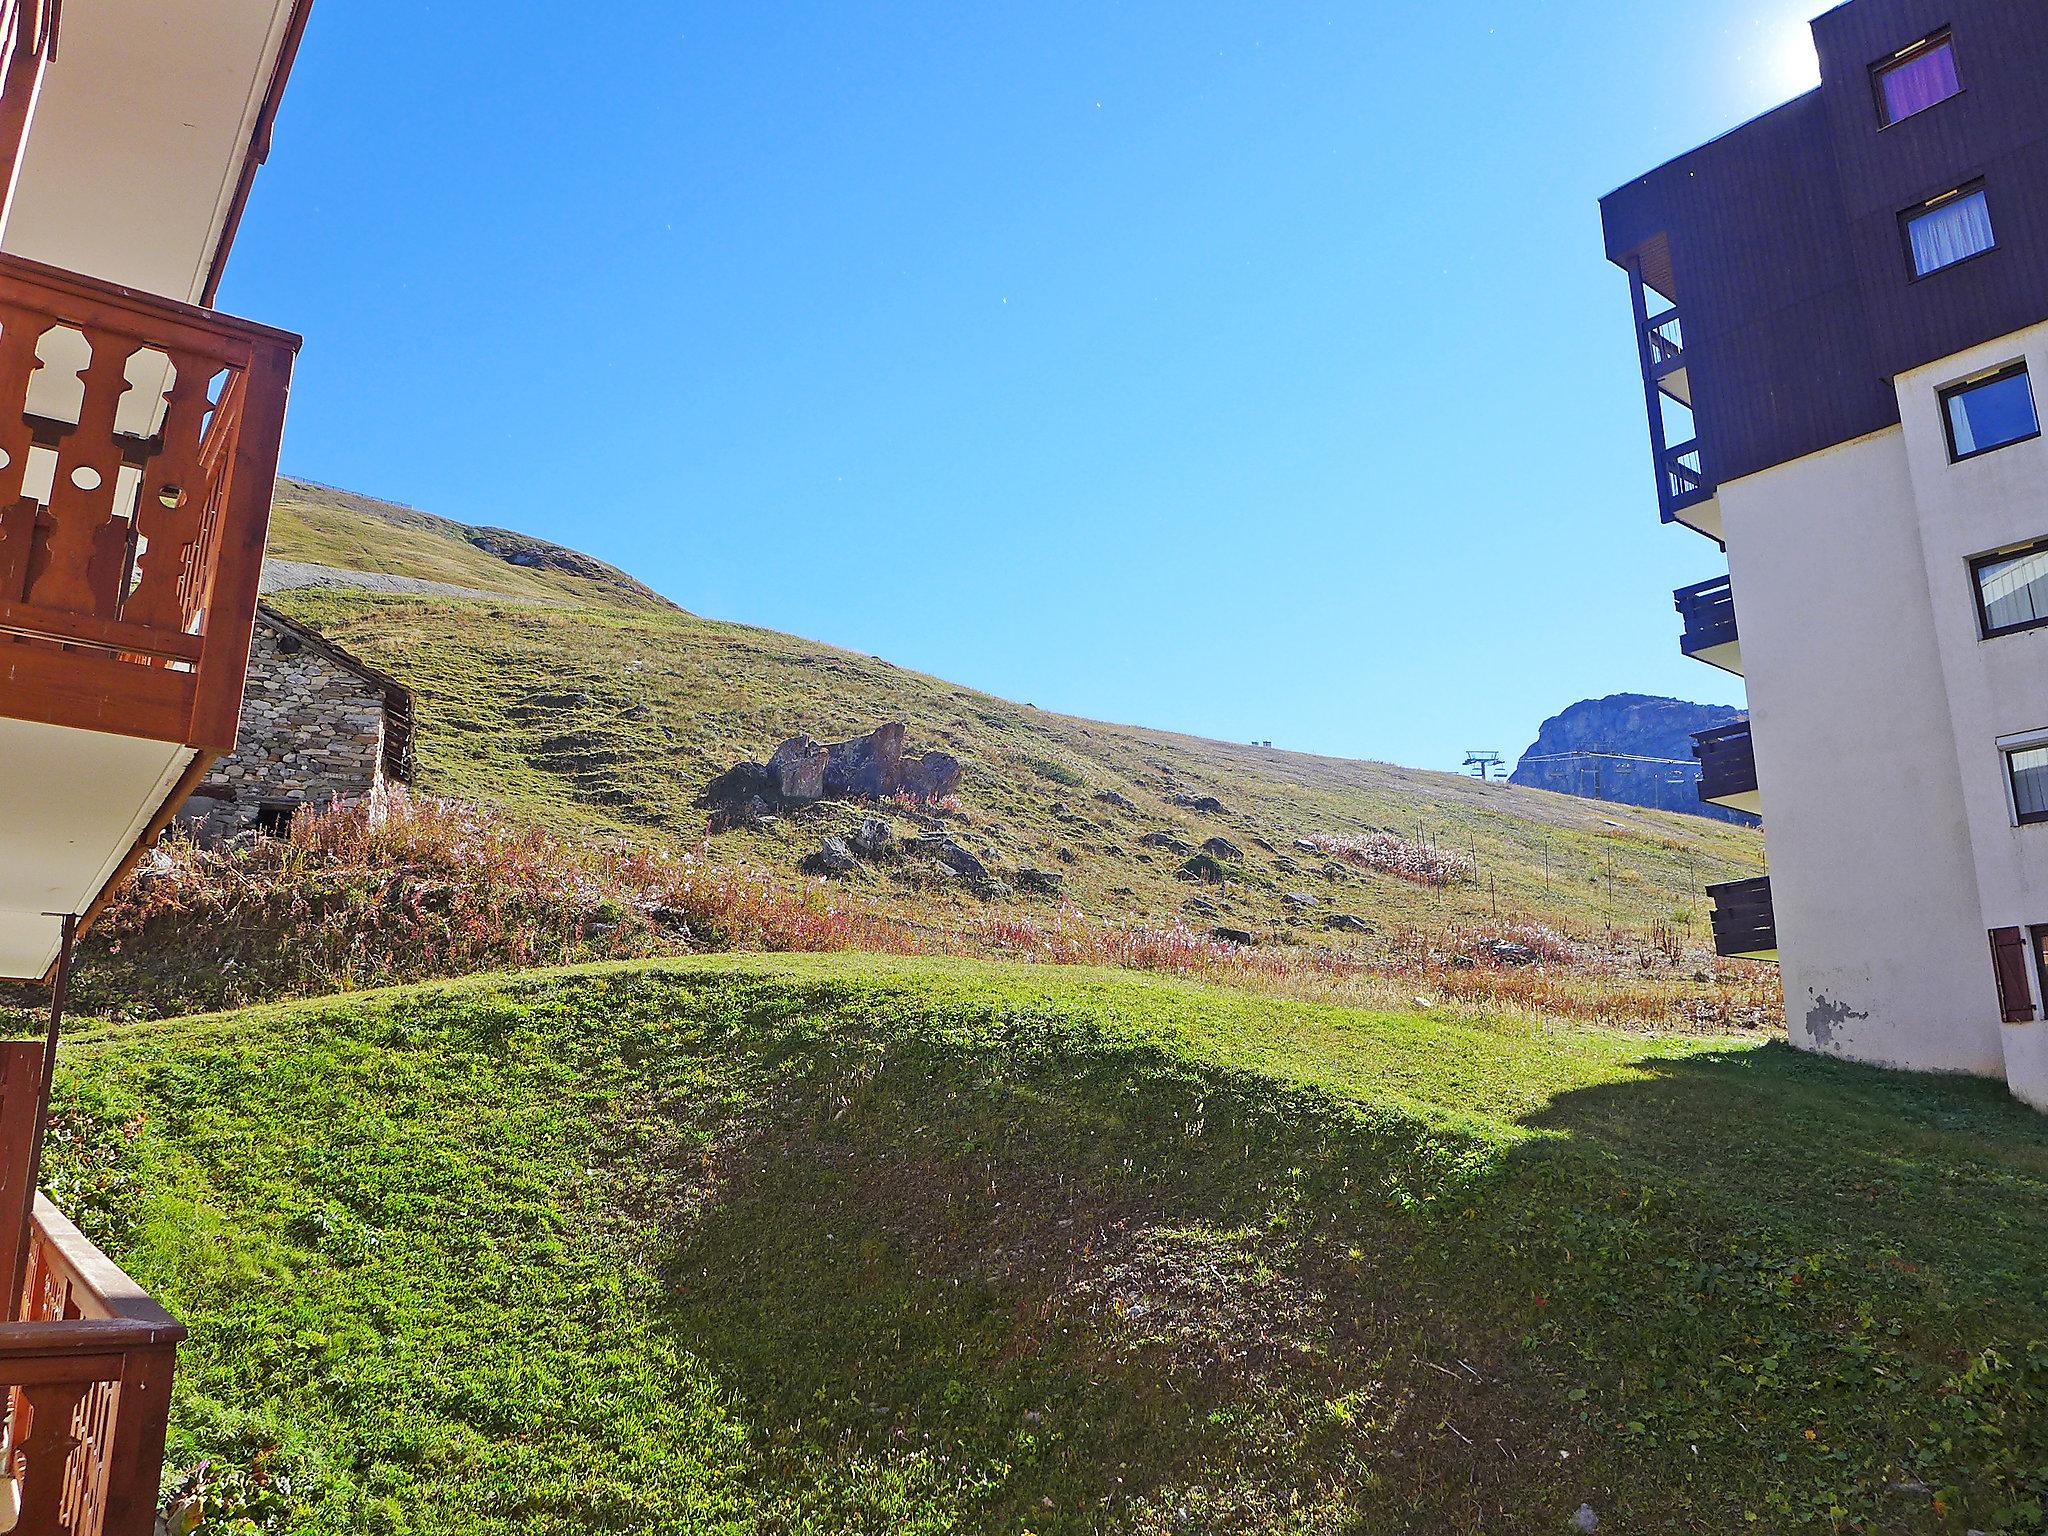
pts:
pixel 442 888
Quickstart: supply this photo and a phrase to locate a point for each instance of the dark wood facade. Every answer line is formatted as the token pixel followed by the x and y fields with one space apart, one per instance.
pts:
pixel 1780 242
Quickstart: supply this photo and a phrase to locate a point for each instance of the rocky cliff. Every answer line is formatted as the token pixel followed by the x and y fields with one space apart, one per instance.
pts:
pixel 1629 748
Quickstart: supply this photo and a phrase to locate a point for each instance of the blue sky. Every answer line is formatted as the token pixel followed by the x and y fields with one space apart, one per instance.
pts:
pixel 1250 370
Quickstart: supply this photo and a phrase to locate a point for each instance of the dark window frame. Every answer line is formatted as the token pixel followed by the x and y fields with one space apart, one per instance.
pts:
pixel 1985 631
pixel 1948 421
pixel 1908 215
pixel 2021 818
pixel 1882 67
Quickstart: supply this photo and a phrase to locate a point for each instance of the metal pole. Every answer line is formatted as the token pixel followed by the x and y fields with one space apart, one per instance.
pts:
pixel 60 983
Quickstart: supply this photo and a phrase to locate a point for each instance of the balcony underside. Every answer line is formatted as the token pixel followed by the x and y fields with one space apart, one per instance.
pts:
pixel 1725 654
pixel 73 804
pixel 1702 516
pixel 141 137
pixel 1736 800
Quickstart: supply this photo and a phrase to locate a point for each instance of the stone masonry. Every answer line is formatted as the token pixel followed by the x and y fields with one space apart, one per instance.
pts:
pixel 319 727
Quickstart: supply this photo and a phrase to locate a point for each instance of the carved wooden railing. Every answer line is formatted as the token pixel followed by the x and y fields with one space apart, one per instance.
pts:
pixel 138 447
pixel 86 1371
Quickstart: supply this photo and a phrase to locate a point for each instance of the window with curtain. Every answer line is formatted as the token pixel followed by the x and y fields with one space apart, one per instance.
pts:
pixel 1990 412
pixel 1916 79
pixel 2029 769
pixel 2012 589
pixel 1951 228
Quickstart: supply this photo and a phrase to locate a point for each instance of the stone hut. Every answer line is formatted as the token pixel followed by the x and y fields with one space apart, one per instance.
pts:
pixel 319 727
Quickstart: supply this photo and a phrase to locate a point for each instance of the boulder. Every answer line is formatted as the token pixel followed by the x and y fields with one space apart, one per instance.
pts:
pixel 932 776
pixel 1230 935
pixel 1223 848
pixel 870 766
pixel 873 839
pixel 1202 867
pixel 1346 922
pixel 1121 802
pixel 1207 804
pixel 1502 952
pixel 798 770
pixel 949 855
pixel 1040 882
pixel 1201 906
pixel 1299 899
pixel 832 858
pixel 1164 840
pixel 731 798
pixel 1303 845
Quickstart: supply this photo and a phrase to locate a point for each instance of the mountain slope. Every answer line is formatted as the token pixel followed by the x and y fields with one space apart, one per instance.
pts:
pixel 580 700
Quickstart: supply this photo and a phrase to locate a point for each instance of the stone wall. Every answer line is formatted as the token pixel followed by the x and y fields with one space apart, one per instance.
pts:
pixel 312 733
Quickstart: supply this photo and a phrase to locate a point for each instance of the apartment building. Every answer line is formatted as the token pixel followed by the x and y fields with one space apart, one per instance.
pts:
pixel 1841 313
pixel 139 433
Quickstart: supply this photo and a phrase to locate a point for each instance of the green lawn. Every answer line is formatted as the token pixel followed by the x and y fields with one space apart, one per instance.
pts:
pixel 855 1244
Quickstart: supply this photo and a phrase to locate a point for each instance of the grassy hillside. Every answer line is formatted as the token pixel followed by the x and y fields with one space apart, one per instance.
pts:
pixel 601 709
pixel 844 1244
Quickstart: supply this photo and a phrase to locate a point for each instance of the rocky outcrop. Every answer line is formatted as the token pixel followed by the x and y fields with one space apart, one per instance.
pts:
pixel 803 770
pixel 1629 748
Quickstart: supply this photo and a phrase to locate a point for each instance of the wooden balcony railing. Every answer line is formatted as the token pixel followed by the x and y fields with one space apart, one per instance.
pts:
pixel 1707 611
pixel 1727 755
pixel 86 1368
pixel 1745 921
pixel 138 446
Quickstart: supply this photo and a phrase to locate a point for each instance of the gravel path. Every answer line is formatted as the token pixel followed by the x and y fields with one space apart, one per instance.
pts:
pixel 287 575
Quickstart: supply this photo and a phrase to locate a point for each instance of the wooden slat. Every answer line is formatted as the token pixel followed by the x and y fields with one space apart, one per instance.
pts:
pixel 19 618
pixel 95 692
pixel 21 1080
pixel 238 560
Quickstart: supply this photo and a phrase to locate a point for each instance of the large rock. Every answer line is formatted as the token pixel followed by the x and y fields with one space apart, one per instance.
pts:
pixel 932 777
pixel 798 769
pixel 949 855
pixel 832 858
pixel 1164 840
pixel 1223 848
pixel 870 766
pixel 738 797
pixel 874 839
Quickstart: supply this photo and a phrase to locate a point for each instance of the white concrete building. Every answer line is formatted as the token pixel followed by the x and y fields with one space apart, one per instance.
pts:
pixel 1842 316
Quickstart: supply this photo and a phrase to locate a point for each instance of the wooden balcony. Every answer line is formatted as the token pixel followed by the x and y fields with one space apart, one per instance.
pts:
pixel 1685 491
pixel 1727 757
pixel 1707 610
pixel 1745 922
pixel 87 1362
pixel 138 446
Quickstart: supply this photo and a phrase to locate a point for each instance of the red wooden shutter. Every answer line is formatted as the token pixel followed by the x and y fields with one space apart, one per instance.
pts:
pixel 2009 963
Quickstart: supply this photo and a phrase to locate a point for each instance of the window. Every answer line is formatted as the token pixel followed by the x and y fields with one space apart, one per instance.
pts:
pixel 1915 78
pixel 1947 229
pixel 274 818
pixel 1993 410
pixel 2027 767
pixel 2009 966
pixel 2012 589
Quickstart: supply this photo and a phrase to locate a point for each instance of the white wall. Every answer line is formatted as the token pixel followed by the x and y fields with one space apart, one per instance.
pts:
pixel 1996 687
pixel 1881 939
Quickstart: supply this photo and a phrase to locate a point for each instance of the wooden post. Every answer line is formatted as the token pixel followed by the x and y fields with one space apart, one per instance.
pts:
pixel 135 1453
pixel 60 984
pixel 21 1076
